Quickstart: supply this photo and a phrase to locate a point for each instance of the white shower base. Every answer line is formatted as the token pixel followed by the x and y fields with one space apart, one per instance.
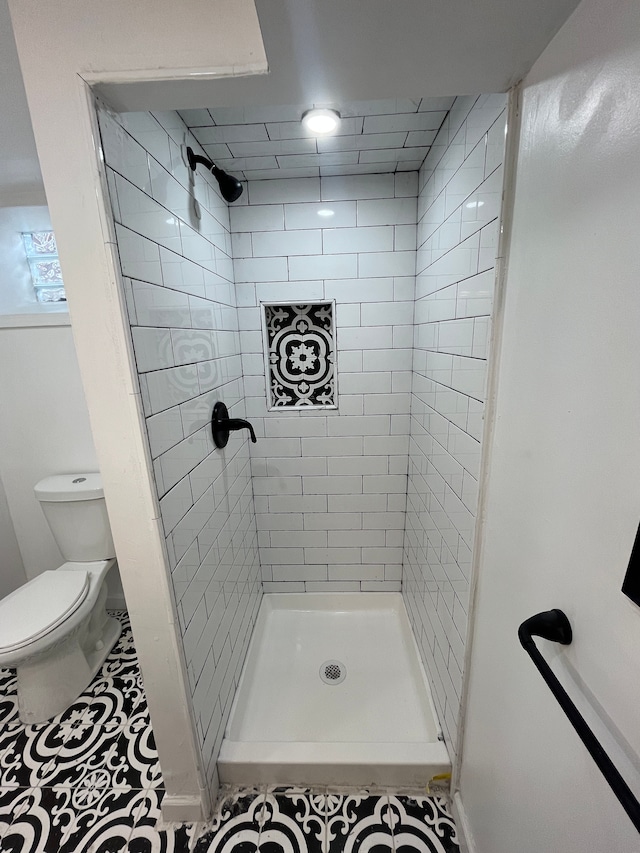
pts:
pixel 376 727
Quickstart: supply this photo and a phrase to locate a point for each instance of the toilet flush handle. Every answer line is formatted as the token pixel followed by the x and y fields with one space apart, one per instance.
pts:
pixel 222 425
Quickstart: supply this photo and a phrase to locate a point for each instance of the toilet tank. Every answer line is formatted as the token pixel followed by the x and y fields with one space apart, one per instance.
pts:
pixel 75 509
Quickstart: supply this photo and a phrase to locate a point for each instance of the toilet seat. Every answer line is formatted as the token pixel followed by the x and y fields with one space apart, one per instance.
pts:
pixel 39 606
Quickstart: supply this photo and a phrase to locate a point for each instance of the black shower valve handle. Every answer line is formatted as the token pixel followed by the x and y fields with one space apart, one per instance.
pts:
pixel 222 425
pixel 237 423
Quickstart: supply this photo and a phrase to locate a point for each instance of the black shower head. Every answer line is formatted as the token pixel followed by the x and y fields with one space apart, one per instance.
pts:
pixel 230 187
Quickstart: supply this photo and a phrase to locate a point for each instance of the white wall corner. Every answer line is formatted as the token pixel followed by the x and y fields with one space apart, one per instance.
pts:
pixel 465 839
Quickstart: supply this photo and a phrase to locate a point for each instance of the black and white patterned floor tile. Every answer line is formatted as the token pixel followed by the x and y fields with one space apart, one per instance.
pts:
pixel 81 781
pixel 296 820
pixel 89 781
pixel 76 820
pixel 235 824
pixel 357 822
pixel 422 823
pixel 151 835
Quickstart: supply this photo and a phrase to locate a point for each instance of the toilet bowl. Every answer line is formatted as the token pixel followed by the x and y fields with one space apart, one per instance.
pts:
pixel 54 629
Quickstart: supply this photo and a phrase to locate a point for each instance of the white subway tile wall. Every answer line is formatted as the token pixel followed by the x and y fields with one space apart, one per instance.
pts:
pixel 460 193
pixel 330 486
pixel 179 287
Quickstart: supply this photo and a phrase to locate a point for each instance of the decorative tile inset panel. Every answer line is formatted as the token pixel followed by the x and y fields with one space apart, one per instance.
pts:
pixel 300 349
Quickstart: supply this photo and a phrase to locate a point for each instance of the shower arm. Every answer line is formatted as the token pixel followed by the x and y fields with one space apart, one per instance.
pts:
pixel 197 159
pixel 553 625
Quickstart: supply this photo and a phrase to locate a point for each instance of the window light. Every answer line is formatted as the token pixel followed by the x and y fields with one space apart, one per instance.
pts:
pixel 42 256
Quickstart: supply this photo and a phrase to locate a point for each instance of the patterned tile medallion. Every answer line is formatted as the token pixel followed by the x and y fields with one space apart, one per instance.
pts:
pixel 301 355
pixel 235 825
pixel 422 823
pixel 293 819
pixel 358 822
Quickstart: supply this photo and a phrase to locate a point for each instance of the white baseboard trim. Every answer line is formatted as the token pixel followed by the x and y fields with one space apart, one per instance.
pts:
pixel 184 809
pixel 462 824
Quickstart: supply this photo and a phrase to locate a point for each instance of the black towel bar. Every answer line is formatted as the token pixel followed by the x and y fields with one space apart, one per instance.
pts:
pixel 553 625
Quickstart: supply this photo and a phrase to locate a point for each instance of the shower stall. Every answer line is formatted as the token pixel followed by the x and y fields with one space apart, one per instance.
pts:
pixel 341 305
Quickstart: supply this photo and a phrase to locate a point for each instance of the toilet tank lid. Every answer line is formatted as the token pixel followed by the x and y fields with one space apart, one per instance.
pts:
pixel 70 487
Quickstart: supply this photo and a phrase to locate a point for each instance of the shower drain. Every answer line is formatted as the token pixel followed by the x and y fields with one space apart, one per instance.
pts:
pixel 333 672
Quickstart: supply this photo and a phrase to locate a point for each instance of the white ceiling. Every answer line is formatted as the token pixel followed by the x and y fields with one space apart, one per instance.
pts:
pixel 258 143
pixel 20 178
pixel 338 51
pixel 320 51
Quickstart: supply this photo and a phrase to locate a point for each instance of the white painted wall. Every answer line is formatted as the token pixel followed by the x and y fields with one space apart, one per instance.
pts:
pixel 11 568
pixel 20 178
pixel 16 295
pixel 40 384
pixel 44 430
pixel 564 494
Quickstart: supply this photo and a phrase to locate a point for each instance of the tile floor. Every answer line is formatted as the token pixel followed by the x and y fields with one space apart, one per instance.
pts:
pixel 88 781
pixel 290 820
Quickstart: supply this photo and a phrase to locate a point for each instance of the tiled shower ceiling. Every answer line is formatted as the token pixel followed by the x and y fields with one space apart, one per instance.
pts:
pixel 258 143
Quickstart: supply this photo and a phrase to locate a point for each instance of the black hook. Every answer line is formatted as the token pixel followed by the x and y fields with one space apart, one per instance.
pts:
pixel 222 425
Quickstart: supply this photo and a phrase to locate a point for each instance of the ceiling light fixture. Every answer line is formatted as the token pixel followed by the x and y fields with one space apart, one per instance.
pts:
pixel 321 122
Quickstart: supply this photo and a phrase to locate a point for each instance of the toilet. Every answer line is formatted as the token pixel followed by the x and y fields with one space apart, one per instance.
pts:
pixel 55 630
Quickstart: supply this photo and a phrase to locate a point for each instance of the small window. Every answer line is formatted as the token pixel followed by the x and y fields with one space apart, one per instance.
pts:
pixel 42 254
